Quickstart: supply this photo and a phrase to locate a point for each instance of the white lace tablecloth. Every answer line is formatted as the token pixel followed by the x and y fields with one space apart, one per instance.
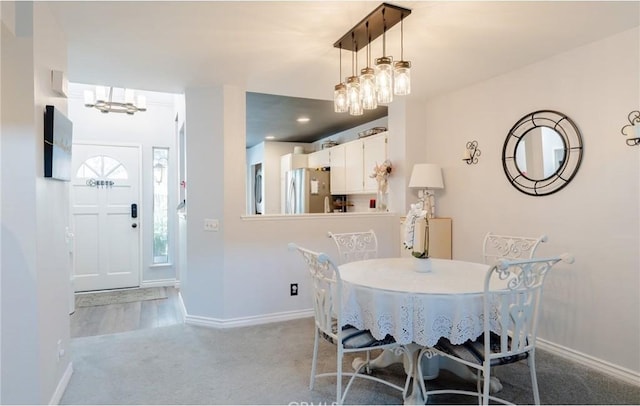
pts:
pixel 387 296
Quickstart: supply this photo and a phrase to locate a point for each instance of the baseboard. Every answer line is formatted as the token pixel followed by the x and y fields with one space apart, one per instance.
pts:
pixel 247 321
pixel 62 385
pixel 608 368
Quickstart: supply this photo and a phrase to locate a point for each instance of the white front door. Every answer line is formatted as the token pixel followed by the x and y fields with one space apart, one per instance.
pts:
pixel 105 184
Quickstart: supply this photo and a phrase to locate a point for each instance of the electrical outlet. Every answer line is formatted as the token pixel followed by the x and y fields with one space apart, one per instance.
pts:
pixel 211 225
pixel 294 289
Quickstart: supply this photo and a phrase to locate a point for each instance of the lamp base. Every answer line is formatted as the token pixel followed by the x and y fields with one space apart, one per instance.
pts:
pixel 428 202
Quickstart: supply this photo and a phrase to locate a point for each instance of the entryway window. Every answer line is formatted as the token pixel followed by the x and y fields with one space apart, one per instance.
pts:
pixel 160 205
pixel 103 167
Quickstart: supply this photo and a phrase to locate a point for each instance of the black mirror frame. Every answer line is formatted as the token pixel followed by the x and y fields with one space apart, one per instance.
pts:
pixel 573 152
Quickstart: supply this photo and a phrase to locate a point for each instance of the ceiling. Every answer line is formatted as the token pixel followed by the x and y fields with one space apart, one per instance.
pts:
pixel 285 48
pixel 277 116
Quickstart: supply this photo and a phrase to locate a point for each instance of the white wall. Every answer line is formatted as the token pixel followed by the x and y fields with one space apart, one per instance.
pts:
pixel 155 127
pixel 591 307
pixel 242 273
pixel 34 214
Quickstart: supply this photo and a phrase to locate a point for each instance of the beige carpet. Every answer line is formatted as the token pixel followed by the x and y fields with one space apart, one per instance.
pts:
pixel 119 296
pixel 269 364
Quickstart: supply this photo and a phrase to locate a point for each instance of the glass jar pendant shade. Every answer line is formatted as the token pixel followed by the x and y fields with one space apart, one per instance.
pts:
pixel 368 89
pixel 384 80
pixel 402 78
pixel 340 99
pixel 353 93
pixel 402 70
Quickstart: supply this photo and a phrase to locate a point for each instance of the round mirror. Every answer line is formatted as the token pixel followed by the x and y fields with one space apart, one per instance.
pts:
pixel 542 153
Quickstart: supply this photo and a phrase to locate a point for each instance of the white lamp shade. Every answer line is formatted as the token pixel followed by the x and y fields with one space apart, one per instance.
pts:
pixel 426 176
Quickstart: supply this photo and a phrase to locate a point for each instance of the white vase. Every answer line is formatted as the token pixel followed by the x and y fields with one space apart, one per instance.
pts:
pixel 381 203
pixel 422 264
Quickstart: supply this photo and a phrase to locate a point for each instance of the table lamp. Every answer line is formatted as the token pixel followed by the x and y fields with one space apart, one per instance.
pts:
pixel 425 177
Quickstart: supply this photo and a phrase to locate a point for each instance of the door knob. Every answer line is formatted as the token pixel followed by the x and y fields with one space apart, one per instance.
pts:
pixel 134 225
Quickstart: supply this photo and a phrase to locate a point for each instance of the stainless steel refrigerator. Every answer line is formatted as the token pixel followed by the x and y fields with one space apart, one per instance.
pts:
pixel 308 191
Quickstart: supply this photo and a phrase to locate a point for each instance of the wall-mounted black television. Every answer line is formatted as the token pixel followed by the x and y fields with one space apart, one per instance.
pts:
pixel 58 132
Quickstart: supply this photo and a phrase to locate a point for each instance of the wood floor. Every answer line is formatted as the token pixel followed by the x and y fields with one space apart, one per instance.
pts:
pixel 118 318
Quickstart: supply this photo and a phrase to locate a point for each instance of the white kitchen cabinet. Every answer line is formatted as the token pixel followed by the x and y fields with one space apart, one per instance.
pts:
pixel 362 156
pixel 353 162
pixel 354 165
pixel 374 153
pixel 337 159
pixel 439 238
pixel 319 159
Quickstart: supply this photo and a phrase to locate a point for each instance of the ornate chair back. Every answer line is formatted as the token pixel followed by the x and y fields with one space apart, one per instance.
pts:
pixel 355 246
pixel 497 246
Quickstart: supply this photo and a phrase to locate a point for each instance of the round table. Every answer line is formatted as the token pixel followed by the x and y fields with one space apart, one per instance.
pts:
pixel 388 296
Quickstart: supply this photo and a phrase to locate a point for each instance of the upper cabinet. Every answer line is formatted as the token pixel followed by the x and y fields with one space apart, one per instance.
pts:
pixel 374 153
pixel 319 159
pixel 353 162
pixel 338 174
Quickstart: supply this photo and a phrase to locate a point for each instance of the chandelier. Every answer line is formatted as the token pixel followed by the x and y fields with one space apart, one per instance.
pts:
pixel 377 85
pixel 105 104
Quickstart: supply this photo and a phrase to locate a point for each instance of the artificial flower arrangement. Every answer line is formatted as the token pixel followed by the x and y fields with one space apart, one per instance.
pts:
pixel 381 175
pixel 416 238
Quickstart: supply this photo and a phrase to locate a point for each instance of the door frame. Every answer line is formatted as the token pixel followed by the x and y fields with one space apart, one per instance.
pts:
pixel 141 222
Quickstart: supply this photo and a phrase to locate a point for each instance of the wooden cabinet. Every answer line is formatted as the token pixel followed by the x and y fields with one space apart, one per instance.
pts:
pixel 439 238
pixel 319 159
pixel 353 162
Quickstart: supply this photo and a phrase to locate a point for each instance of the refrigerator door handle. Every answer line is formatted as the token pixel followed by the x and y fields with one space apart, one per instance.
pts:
pixel 291 196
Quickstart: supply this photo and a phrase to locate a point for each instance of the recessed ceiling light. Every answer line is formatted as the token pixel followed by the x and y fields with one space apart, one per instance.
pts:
pixel 303 119
pixel 270 137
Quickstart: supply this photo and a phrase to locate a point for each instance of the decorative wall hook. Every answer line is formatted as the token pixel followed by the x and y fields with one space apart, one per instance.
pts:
pixel 471 153
pixel 632 129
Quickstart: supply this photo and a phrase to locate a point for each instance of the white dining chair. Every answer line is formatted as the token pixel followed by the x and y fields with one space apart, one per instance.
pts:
pixel 355 246
pixel 327 307
pixel 511 302
pixel 496 246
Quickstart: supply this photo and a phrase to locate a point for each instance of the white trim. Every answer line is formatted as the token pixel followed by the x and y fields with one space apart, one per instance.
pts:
pixel 247 321
pixel 160 283
pixel 62 385
pixel 183 310
pixel 615 371
pixel 312 216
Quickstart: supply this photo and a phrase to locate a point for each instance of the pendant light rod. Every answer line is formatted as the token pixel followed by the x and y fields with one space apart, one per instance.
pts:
pixel 401 40
pixel 372 26
pixel 340 77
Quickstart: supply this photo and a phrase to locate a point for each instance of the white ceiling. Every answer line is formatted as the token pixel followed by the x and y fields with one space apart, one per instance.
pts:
pixel 286 47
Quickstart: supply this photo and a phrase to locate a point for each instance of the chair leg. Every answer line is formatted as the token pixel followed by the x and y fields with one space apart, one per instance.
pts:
pixel 534 379
pixel 339 376
pixel 486 378
pixel 314 361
